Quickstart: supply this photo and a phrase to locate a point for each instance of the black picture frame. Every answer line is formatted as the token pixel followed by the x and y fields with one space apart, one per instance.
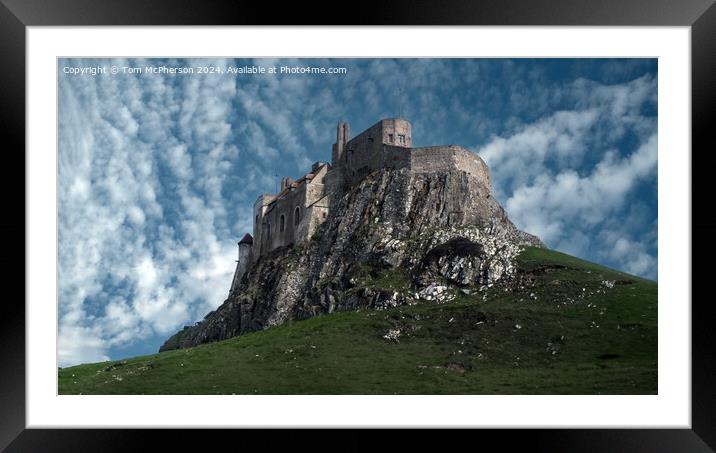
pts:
pixel 16 15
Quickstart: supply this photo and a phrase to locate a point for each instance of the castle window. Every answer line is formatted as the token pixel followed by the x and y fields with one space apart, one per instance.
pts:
pixel 390 138
pixel 282 223
pixel 370 139
pixel 257 220
pixel 401 139
pixel 296 215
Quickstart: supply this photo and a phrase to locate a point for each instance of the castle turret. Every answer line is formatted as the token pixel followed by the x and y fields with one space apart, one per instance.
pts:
pixel 396 132
pixel 343 134
pixel 245 246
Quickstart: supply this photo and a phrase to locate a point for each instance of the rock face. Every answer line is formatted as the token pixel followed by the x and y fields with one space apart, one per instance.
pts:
pixel 397 237
pixel 459 261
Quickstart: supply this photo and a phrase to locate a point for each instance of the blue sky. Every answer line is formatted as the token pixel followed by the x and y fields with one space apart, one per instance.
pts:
pixel 158 173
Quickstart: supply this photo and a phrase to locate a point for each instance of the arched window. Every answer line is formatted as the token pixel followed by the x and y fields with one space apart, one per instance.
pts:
pixel 296 215
pixel 282 223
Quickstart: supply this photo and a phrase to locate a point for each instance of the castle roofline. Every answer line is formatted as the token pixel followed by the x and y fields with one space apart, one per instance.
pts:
pixel 247 239
pixel 446 146
pixel 308 177
pixel 264 199
pixel 383 120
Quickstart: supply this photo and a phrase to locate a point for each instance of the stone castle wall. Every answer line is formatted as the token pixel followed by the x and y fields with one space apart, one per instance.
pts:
pixel 385 145
pixel 292 217
pixel 361 163
pixel 276 232
pixel 449 157
pixel 260 207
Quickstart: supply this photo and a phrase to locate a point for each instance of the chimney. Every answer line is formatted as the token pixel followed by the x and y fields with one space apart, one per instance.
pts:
pixel 286 182
pixel 342 136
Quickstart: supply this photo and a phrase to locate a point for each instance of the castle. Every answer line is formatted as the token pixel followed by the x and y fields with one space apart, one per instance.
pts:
pixel 296 211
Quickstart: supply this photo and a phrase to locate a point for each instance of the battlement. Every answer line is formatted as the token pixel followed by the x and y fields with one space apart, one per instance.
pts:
pixel 449 157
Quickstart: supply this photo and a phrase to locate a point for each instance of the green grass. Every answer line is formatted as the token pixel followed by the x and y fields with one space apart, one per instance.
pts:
pixel 576 337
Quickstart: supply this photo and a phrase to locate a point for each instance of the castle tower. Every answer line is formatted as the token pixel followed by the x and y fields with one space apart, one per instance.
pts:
pixel 260 226
pixel 396 132
pixel 245 245
pixel 343 134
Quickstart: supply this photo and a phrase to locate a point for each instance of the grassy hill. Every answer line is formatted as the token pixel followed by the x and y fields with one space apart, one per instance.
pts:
pixel 565 327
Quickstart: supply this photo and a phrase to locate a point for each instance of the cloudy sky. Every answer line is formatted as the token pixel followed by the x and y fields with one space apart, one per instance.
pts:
pixel 158 172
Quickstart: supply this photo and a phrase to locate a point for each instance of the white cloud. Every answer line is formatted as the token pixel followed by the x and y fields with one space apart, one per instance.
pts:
pixel 138 155
pixel 157 175
pixel 549 201
pixel 524 156
pixel 78 344
pixel 632 254
pixel 564 179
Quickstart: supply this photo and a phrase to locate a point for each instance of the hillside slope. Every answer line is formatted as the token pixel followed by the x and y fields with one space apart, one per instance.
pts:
pixel 558 325
pixel 439 229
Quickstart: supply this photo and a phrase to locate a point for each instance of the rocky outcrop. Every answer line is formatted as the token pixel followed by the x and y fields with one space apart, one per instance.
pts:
pixel 397 237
